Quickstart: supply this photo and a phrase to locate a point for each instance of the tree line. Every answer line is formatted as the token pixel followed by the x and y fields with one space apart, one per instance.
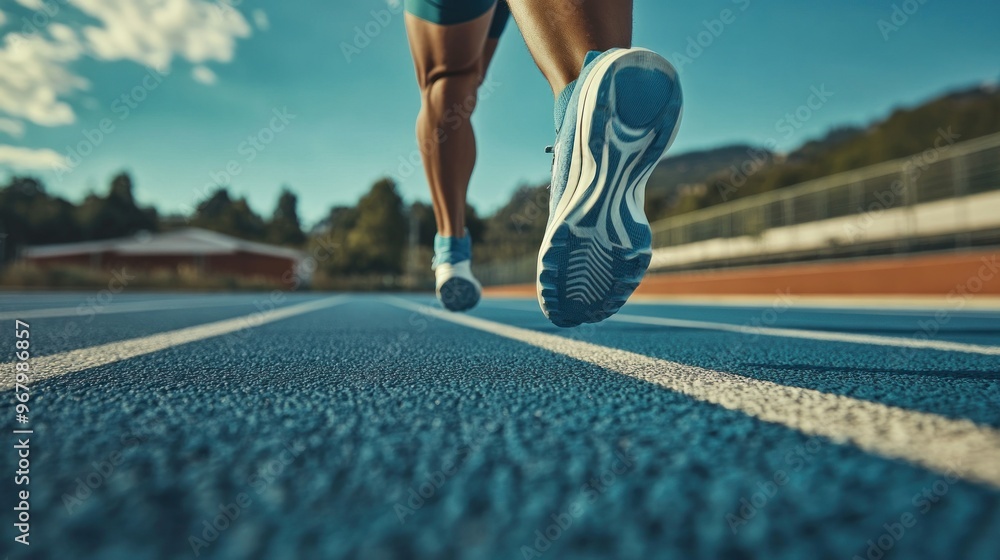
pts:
pixel 29 215
pixel 371 237
pixel 383 235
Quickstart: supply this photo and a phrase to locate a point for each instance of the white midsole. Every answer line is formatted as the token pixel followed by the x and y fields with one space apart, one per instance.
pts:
pixel 446 271
pixel 589 165
pixel 583 165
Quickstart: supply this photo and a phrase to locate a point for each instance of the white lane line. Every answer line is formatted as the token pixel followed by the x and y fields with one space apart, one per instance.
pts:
pixel 829 336
pixel 935 442
pixel 47 367
pixel 86 310
pixel 802 303
pixel 888 302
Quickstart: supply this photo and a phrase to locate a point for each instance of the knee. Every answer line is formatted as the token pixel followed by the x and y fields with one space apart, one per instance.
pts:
pixel 454 89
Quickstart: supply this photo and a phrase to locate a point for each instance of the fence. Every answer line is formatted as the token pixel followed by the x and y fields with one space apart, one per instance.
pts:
pixel 946 172
pixel 950 190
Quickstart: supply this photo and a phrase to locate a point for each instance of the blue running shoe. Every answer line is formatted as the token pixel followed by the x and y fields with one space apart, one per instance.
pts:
pixel 457 289
pixel 621 116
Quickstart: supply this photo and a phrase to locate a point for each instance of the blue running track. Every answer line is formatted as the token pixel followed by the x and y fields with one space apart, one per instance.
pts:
pixel 369 427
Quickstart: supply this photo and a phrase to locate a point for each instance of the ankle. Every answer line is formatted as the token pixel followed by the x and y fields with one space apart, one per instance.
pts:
pixel 451 250
pixel 562 104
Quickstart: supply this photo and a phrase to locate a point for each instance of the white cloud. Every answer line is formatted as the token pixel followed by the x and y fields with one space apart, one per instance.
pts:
pixel 35 75
pixel 152 32
pixel 63 34
pixel 28 159
pixel 12 127
pixel 204 75
pixel 260 20
pixel 3 19
pixel 32 4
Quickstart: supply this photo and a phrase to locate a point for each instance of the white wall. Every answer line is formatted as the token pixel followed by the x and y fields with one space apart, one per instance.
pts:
pixel 943 217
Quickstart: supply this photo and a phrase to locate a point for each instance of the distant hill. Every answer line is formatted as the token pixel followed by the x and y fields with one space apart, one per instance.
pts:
pixel 833 140
pixel 675 174
pixel 699 179
pixel 680 185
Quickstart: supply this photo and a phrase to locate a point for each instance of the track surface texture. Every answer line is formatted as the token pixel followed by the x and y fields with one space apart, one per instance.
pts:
pixel 379 427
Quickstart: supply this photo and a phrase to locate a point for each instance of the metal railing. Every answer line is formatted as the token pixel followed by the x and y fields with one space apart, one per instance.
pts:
pixel 941 172
pixel 515 271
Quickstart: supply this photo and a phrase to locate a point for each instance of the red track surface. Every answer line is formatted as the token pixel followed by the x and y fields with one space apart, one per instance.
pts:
pixel 974 272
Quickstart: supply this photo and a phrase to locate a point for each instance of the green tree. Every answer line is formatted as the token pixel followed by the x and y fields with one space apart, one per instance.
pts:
pixel 378 239
pixel 29 216
pixel 284 227
pixel 221 213
pixel 333 232
pixel 426 224
pixel 516 229
pixel 473 223
pixel 115 215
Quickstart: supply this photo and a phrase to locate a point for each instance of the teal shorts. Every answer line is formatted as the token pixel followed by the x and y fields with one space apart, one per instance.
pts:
pixel 453 12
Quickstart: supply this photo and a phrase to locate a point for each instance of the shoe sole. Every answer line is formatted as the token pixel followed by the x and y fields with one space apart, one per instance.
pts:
pixel 597 247
pixel 458 294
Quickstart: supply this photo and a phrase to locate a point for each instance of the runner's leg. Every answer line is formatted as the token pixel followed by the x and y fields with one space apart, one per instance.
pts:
pixel 560 33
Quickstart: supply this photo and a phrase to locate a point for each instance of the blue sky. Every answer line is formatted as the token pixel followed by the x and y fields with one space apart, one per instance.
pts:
pixel 328 127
